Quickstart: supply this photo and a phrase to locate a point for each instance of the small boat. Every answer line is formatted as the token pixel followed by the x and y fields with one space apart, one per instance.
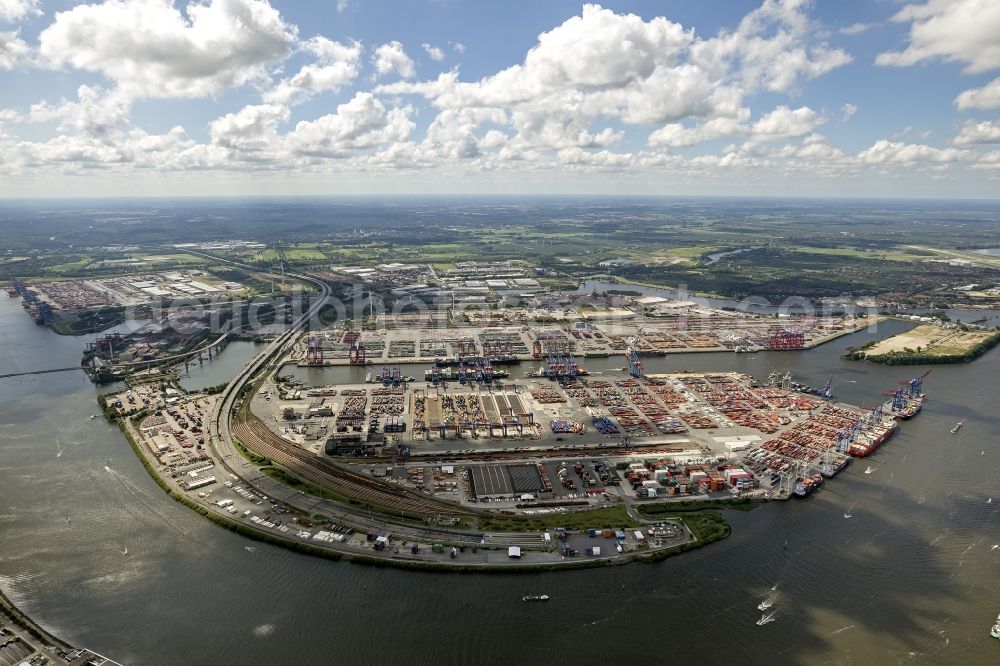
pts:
pixel 93 416
pixel 766 618
pixel 764 605
pixel 995 631
pixel 957 427
pixel 869 470
pixel 847 514
pixel 535 597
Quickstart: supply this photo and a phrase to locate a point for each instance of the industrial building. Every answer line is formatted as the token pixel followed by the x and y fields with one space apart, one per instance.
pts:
pixel 504 481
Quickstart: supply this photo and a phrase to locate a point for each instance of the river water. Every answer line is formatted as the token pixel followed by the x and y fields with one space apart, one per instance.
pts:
pixel 909 578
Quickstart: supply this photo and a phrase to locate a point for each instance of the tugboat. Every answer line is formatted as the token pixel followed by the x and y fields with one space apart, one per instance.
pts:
pixel 535 597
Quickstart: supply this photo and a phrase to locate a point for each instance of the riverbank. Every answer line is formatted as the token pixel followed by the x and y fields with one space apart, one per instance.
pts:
pixel 497 559
pixel 32 643
pixel 927 344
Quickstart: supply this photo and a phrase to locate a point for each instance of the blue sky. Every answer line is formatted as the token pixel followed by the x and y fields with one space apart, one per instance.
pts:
pixel 729 97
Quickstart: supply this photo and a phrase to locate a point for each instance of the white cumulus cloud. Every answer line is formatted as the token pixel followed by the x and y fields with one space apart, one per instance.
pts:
pixel 984 132
pixel 15 10
pixel 151 49
pixel 985 97
pixel 434 52
pixel 12 50
pixel 884 151
pixel 363 122
pixel 391 57
pixel 336 65
pixel 963 31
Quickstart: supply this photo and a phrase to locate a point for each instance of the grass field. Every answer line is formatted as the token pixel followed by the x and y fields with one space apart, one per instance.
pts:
pixel 931 340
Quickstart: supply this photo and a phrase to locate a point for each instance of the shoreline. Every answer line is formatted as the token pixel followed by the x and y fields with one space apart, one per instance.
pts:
pixel 44 645
pixel 332 553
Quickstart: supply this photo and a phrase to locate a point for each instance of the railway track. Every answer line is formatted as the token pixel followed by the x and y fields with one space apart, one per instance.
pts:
pixel 257 437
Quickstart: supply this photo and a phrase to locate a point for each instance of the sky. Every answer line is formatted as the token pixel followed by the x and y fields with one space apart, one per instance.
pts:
pixel 832 98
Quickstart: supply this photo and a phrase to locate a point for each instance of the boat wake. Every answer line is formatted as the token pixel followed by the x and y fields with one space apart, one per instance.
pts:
pixel 766 618
pixel 850 626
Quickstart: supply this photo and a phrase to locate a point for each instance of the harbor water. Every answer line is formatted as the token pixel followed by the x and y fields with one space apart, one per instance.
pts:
pixel 94 550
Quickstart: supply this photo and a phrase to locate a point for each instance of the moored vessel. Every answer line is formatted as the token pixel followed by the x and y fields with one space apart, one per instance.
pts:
pixel 869 439
pixel 807 485
pixel 834 467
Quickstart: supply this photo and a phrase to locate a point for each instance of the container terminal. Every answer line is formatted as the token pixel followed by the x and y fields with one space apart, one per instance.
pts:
pixel 467 443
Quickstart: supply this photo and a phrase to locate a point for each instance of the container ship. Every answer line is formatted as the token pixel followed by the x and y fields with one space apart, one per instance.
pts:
pixel 459 374
pixel 806 486
pixel 871 438
pixel 832 468
pixel 497 360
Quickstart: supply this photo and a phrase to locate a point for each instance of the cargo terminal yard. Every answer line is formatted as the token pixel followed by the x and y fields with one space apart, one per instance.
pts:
pixel 432 460
pixel 693 428
pixel 400 339
pixel 464 445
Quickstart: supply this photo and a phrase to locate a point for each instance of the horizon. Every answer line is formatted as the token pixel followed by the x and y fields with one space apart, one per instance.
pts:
pixel 496 196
